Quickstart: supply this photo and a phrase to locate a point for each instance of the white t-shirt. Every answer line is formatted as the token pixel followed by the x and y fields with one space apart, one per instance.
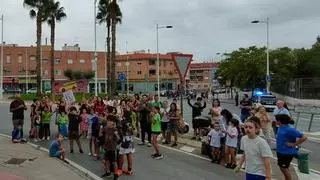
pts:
pixel 165 116
pixel 232 142
pixel 255 149
pixel 215 137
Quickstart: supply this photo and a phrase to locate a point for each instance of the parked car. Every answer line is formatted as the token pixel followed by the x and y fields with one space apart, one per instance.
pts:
pixel 12 90
pixel 34 90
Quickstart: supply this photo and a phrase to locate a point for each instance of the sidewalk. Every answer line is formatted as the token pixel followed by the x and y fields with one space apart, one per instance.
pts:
pixel 22 161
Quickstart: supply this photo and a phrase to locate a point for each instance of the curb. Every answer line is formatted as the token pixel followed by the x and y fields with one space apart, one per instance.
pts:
pixel 84 171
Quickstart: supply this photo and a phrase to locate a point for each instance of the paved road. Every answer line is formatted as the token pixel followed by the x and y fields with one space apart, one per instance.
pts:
pixel 175 165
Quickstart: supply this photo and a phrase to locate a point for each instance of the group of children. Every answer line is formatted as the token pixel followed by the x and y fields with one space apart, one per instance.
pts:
pixel 109 132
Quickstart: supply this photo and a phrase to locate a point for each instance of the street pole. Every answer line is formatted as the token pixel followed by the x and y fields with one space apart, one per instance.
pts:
pixel 268 63
pixel 41 65
pixel 181 97
pixel 95 50
pixel 127 64
pixel 26 69
pixel 158 63
pixel 105 69
pixel 1 68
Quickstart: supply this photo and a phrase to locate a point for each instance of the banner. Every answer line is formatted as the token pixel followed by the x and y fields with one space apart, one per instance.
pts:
pixel 69 97
pixel 80 85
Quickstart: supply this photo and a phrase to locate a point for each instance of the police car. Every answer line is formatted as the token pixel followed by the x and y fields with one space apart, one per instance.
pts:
pixel 266 99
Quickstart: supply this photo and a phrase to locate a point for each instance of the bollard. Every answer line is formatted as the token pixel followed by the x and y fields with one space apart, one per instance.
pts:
pixel 310 124
pixel 303 164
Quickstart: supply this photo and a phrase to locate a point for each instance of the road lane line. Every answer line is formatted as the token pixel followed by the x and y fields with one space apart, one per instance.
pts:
pixel 187 149
pixel 86 172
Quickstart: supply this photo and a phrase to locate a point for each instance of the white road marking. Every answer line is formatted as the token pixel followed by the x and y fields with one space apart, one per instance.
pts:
pixel 85 171
pixel 187 149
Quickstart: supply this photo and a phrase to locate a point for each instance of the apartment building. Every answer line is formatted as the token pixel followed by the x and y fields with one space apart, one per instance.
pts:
pixel 201 76
pixel 140 67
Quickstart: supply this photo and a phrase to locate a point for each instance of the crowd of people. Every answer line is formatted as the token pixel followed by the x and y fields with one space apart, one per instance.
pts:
pixel 111 124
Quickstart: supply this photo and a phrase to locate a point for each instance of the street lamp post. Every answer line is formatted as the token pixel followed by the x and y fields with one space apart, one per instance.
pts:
pixel 95 50
pixel 158 62
pixel 268 64
pixel 127 65
pixel 1 68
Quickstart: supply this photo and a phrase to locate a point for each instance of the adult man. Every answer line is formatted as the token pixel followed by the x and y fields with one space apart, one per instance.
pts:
pixel 17 107
pixel 145 120
pixel 197 108
pixel 280 109
pixel 156 102
pixel 245 106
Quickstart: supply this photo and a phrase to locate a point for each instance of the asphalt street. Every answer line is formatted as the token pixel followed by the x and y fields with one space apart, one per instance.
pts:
pixel 174 165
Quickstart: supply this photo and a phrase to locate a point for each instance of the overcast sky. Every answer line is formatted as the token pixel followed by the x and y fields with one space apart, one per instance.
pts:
pixel 201 27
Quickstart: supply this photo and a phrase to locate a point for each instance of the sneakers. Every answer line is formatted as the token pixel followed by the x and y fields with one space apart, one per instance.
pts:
pixel 141 143
pixel 127 172
pixel 107 175
pixel 81 151
pixel 118 172
pixel 174 145
pixel 149 144
pixel 158 156
pixel 154 155
pixel 71 151
pixel 90 154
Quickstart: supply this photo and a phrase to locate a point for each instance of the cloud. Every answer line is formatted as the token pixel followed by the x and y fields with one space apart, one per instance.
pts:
pixel 201 27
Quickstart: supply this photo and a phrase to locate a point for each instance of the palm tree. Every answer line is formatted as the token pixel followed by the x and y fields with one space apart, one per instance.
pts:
pixel 115 16
pixel 38 11
pixel 56 14
pixel 104 16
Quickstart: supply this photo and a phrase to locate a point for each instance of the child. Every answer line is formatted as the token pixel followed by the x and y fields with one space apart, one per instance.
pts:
pixel 214 139
pixel 46 118
pixel 37 124
pixel 257 152
pixel 93 132
pixel 110 146
pixel 17 135
pixel 56 149
pixel 156 130
pixel 63 124
pixel 126 146
pixel 73 128
pixel 100 139
pixel 84 123
pixel 231 144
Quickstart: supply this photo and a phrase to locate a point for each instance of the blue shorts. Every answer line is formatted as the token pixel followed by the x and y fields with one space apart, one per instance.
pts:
pixel 56 154
pixel 254 177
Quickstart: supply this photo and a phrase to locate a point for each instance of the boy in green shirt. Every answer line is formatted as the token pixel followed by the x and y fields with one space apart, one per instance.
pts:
pixel 46 118
pixel 156 130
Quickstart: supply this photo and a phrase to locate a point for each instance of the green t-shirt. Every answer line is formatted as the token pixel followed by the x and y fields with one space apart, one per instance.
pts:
pixel 46 117
pixel 159 104
pixel 156 127
pixel 63 120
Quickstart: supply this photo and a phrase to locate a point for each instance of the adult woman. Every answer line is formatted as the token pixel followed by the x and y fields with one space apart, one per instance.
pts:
pixel 265 123
pixel 100 107
pixel 215 110
pixel 173 116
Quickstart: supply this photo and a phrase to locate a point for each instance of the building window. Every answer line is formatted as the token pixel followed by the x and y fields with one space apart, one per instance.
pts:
pixel 45 61
pixel 164 63
pixel 20 58
pixel 46 72
pixel 8 59
pixel 57 72
pixel 152 72
pixel 139 63
pixel 69 61
pixel 82 61
pixel 57 61
pixel 152 62
pixel 139 72
pixel 118 64
pixel 32 58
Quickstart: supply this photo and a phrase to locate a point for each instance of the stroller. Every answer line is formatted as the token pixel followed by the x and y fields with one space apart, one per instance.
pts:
pixel 204 123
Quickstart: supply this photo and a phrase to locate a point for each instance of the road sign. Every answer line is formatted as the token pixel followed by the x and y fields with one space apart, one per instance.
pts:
pixel 268 78
pixel 182 63
pixel 122 77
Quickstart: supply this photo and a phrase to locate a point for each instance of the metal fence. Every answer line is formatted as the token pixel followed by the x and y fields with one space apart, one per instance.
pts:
pixel 302 88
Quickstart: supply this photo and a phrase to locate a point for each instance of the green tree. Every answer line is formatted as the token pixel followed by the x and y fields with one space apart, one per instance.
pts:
pixel 56 14
pixel 38 11
pixel 104 16
pixel 78 74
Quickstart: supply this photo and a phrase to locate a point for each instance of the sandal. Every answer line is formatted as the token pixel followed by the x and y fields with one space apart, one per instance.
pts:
pixel 130 173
